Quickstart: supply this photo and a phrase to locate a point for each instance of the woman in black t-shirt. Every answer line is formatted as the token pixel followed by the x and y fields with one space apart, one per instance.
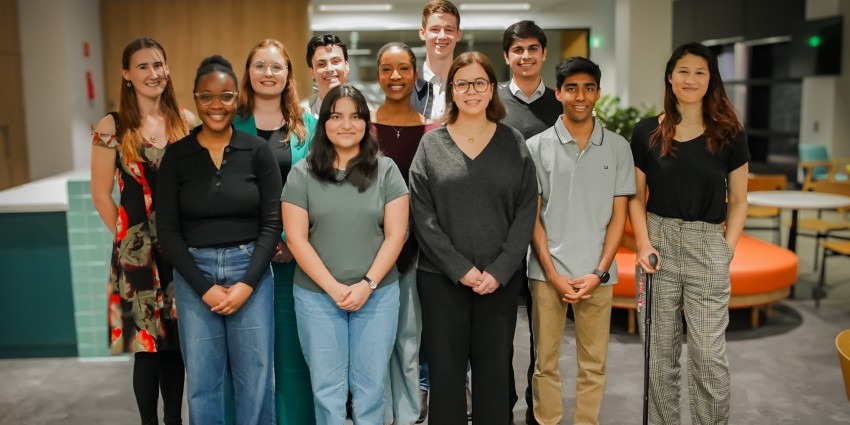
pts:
pixel 693 160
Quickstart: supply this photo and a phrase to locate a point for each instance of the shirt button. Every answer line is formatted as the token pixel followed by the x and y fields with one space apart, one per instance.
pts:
pixel 227 149
pixel 218 173
pixel 218 184
pixel 224 161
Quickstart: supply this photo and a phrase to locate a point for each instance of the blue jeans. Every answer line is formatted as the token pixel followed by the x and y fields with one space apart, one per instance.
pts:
pixel 242 342
pixel 348 351
pixel 402 393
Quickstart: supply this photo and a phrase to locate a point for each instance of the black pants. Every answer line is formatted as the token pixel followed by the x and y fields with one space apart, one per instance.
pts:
pixel 154 373
pixel 529 415
pixel 459 326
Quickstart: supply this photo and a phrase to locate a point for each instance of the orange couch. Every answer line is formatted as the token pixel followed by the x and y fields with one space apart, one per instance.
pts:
pixel 761 274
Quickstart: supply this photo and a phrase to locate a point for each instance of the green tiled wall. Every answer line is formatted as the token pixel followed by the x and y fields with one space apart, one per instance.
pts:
pixel 90 245
pixel 37 313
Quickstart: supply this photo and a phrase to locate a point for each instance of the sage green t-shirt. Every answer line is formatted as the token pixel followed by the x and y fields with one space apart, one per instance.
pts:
pixel 346 226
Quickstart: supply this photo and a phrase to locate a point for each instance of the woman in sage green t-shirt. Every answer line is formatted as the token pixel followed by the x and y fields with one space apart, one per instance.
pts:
pixel 345 212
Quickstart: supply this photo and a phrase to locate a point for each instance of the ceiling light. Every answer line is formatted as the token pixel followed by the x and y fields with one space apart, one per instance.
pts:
pixel 494 7
pixel 382 7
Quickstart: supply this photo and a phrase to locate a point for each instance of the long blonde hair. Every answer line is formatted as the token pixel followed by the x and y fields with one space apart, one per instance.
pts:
pixel 128 107
pixel 288 99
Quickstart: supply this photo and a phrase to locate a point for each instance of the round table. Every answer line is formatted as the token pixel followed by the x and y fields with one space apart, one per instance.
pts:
pixel 796 200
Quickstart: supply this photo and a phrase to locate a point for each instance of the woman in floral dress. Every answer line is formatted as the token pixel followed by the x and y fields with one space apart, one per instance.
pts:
pixel 129 144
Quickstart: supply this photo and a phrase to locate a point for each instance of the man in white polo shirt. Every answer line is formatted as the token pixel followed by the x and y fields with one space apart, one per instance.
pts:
pixel 585 174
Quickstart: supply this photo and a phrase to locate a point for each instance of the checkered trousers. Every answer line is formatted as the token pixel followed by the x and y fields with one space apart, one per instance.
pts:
pixel 694 275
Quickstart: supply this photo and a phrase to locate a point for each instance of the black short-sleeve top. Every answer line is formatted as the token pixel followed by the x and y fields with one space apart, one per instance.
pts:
pixel 691 184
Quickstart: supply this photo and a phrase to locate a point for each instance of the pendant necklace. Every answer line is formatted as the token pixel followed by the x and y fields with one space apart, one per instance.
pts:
pixel 471 139
pixel 401 127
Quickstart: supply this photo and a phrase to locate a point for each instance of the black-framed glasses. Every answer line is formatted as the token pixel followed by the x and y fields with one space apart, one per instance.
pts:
pixel 206 99
pixel 462 86
pixel 260 67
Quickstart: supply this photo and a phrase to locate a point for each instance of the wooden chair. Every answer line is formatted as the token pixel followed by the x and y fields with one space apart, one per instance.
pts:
pixel 842 345
pixel 758 182
pixel 821 228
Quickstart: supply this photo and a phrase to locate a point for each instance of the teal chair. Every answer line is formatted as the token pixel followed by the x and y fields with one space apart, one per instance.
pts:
pixel 816 165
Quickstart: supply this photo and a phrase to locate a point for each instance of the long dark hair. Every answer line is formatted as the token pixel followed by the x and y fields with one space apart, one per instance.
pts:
pixel 363 168
pixel 495 109
pixel 718 114
pixel 128 105
pixel 288 99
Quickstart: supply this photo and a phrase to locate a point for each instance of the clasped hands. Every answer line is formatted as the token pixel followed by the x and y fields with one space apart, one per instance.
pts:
pixel 350 297
pixel 226 301
pixel 482 283
pixel 575 290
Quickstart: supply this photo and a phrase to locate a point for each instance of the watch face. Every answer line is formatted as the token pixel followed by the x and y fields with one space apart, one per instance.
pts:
pixel 373 284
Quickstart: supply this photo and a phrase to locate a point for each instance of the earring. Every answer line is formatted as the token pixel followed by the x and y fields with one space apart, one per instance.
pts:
pixel 129 84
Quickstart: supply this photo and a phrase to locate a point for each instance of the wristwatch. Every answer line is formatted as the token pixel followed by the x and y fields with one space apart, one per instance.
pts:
pixel 603 276
pixel 372 284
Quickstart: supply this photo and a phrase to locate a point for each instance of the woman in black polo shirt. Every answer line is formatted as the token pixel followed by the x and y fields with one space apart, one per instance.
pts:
pixel 219 223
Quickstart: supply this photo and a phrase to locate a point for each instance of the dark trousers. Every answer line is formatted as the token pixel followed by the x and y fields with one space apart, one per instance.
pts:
pixel 529 416
pixel 154 373
pixel 459 326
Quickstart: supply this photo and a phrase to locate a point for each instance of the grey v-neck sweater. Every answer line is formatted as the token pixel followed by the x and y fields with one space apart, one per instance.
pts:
pixel 473 212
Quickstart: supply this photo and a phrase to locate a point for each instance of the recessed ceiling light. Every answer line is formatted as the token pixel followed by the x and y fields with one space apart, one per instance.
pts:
pixel 382 7
pixel 494 7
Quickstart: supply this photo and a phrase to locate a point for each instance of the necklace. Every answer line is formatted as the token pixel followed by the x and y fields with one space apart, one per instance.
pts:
pixel 471 138
pixel 401 127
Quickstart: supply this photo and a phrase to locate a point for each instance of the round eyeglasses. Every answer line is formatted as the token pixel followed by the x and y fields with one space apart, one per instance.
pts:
pixel 260 67
pixel 462 86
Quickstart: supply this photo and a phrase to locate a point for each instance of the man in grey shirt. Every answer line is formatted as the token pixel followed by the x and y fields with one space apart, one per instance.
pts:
pixel 585 174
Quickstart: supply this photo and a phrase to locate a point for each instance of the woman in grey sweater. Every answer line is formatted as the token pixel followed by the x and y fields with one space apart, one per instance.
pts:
pixel 473 189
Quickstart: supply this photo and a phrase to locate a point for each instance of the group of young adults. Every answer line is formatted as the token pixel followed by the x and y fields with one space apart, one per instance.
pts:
pixel 389 262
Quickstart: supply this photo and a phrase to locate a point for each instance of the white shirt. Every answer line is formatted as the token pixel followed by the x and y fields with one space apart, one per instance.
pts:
pixel 541 88
pixel 439 92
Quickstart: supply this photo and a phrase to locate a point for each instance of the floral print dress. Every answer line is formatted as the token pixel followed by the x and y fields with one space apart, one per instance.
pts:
pixel 142 315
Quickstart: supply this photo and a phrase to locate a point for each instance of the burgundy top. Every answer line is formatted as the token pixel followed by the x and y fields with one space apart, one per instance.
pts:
pixel 400 144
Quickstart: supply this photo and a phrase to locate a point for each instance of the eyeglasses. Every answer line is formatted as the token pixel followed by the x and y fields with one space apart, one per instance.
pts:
pixel 260 67
pixel 206 99
pixel 462 86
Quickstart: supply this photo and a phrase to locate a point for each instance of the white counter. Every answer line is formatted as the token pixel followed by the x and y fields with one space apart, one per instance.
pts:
pixel 46 195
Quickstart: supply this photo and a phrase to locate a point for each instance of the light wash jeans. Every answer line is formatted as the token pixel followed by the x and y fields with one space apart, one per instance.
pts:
pixel 348 351
pixel 241 343
pixel 402 392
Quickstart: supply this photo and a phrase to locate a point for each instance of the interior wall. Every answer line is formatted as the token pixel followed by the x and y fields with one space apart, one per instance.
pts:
pixel 190 30
pixel 14 167
pixel 826 99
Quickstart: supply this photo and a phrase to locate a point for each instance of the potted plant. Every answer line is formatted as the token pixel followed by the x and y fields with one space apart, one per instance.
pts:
pixel 619 119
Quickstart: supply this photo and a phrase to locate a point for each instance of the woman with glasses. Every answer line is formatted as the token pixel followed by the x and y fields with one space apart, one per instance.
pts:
pixel 473 187
pixel 269 109
pixel 219 223
pixel 398 130
pixel 129 144
pixel 345 210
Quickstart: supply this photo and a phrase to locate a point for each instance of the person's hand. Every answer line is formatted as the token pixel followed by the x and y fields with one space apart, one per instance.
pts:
pixel 357 295
pixel 338 291
pixel 214 296
pixel 235 298
pixel 283 254
pixel 564 288
pixel 643 254
pixel 585 285
pixel 488 284
pixel 472 278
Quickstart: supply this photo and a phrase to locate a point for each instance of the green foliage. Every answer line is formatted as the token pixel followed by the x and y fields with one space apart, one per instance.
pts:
pixel 618 119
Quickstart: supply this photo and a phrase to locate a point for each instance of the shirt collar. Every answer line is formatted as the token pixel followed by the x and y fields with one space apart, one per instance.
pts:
pixel 597 136
pixel 236 141
pixel 516 91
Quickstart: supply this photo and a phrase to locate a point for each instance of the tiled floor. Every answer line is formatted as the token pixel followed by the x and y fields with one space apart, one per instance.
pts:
pixel 785 372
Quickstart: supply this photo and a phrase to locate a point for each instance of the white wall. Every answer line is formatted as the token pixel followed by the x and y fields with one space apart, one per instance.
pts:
pixel 59 115
pixel 826 99
pixel 643 45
